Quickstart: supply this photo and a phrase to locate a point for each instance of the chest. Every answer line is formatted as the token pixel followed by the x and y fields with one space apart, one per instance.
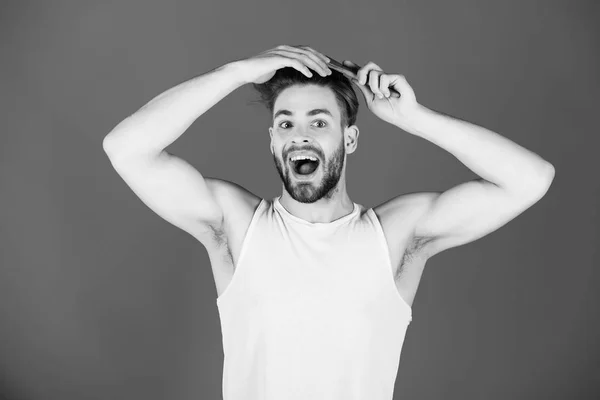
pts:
pixel 225 243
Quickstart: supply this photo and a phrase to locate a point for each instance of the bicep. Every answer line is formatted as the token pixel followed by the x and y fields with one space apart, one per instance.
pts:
pixel 173 189
pixel 467 212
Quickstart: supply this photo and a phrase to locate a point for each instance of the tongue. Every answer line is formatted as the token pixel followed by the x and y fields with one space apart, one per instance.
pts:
pixel 307 168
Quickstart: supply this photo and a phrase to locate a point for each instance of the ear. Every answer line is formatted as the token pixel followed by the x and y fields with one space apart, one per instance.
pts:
pixel 351 139
pixel 271 137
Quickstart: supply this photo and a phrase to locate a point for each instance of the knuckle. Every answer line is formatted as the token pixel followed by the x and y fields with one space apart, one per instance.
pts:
pixel 313 51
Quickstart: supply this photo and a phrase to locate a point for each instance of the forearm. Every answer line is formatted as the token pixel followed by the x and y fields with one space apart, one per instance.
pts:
pixel 166 117
pixel 488 154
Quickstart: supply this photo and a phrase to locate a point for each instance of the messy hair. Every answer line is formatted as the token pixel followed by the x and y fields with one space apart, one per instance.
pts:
pixel 285 77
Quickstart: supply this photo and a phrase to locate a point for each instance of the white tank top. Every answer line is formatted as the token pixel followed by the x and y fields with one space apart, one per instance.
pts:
pixel 312 311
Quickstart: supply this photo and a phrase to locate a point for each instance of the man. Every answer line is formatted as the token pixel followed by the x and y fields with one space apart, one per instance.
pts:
pixel 315 291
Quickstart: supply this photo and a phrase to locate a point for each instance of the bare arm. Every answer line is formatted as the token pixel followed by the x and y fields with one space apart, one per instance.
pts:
pixel 166 117
pixel 167 184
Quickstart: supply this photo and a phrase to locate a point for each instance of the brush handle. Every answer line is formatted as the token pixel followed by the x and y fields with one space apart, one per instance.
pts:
pixel 344 69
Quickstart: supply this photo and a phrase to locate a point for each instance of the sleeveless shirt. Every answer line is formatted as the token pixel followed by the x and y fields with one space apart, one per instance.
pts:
pixel 312 310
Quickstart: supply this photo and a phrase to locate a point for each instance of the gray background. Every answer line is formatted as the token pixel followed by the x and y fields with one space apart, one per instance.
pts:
pixel 102 299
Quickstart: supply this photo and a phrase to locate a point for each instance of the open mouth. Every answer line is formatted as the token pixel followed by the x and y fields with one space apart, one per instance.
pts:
pixel 304 167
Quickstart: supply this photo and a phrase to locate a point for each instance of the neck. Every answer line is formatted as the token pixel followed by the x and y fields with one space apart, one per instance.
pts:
pixel 322 211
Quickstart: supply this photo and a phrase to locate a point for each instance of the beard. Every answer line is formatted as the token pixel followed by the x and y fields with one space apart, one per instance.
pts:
pixel 312 191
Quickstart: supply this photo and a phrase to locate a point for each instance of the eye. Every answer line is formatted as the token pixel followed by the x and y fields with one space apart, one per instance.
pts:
pixel 286 122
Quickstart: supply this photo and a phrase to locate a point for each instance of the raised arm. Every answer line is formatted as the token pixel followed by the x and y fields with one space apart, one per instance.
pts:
pixel 167 184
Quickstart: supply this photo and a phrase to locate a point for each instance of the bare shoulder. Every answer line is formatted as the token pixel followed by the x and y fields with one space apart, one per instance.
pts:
pixel 399 216
pixel 231 193
pixel 412 203
pixel 237 203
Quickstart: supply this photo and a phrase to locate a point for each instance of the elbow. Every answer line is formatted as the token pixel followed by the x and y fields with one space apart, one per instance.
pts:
pixel 540 186
pixel 106 144
pixel 110 147
pixel 547 176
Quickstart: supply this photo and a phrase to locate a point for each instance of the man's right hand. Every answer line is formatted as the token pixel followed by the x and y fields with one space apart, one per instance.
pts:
pixel 262 67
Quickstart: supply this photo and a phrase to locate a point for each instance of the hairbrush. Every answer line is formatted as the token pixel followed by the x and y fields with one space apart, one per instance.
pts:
pixel 347 70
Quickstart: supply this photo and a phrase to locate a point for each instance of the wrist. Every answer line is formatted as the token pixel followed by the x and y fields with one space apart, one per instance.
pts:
pixel 412 118
pixel 236 70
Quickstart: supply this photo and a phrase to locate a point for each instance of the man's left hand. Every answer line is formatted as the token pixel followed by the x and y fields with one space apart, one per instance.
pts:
pixel 389 96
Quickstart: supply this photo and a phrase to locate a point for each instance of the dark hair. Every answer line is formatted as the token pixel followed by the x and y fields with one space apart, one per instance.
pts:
pixel 288 76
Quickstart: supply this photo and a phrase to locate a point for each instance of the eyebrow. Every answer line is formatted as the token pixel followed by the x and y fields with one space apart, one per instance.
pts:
pixel 309 113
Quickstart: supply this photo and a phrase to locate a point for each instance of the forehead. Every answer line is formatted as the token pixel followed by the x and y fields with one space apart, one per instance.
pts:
pixel 302 101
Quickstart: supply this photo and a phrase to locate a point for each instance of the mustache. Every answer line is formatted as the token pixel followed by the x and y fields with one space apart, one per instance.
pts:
pixel 307 149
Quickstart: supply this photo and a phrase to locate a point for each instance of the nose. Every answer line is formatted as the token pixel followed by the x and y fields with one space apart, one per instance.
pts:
pixel 301 140
pixel 302 137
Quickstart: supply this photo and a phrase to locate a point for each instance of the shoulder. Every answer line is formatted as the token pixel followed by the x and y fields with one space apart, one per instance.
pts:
pixel 399 217
pixel 236 202
pixel 406 205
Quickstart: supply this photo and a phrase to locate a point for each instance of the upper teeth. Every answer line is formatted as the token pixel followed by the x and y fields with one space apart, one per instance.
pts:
pixel 296 158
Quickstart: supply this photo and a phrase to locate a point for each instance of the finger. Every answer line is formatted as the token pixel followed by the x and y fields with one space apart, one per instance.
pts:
pixel 301 58
pixel 367 93
pixel 401 85
pixel 323 56
pixel 363 73
pixel 310 57
pixel 302 55
pixel 374 82
pixel 360 73
pixel 350 63
pixel 293 62
pixel 384 82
